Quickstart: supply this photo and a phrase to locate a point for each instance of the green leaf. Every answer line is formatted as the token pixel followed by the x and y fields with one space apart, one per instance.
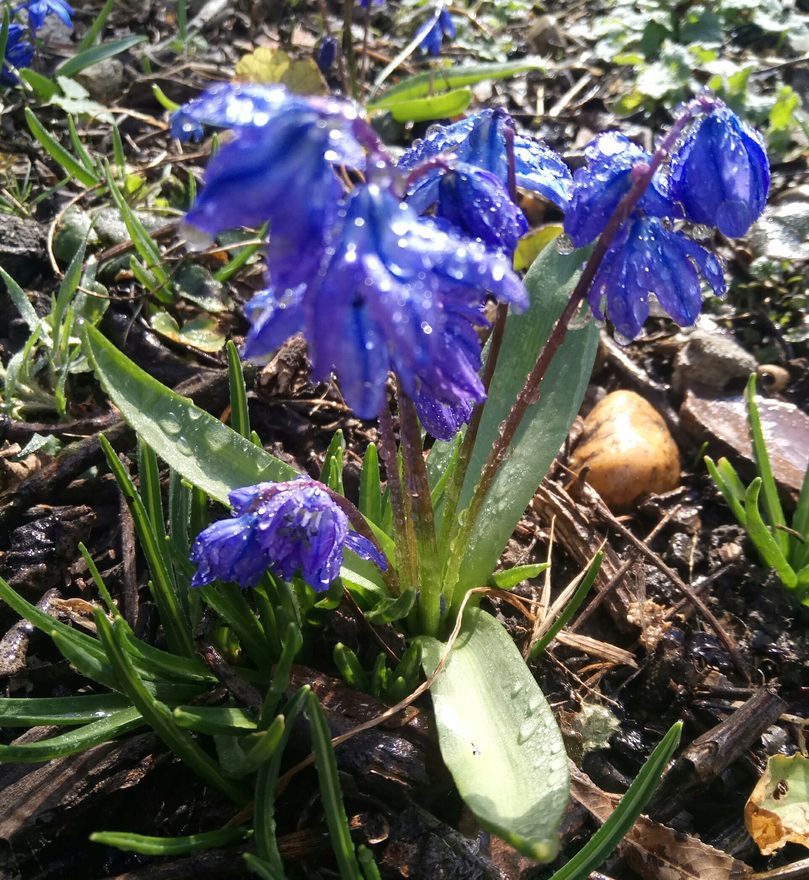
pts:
pixel 202 333
pixel 57 152
pixel 332 471
pixel 544 428
pixel 772 503
pixel 43 87
pixel 452 78
pixel 21 301
pixel 74 741
pixel 763 538
pixel 148 845
pixel 195 444
pixel 611 833
pixel 442 106
pixel 31 711
pixel 239 410
pixel 330 793
pixel 93 55
pixel 214 720
pixel 498 736
pixel 370 494
pixel 799 549
pixel 727 481
pixel 509 578
pixel 389 609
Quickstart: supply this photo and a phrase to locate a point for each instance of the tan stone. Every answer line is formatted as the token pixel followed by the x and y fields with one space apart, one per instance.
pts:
pixel 627 449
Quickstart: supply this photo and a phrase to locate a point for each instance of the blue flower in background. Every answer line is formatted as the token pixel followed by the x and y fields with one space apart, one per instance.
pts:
pixel 647 258
pixel 480 140
pixel 326 54
pixel 721 173
pixel 19 53
pixel 396 291
pixel 291 528
pixel 39 10
pixel 600 185
pixel 431 34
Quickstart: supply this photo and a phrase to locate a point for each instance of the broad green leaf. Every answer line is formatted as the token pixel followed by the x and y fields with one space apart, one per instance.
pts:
pixel 498 736
pixel 20 300
pixel 452 78
pixel 43 87
pixel 442 106
pixel 93 55
pixel 197 445
pixel 776 813
pixel 74 741
pixel 546 424
pixel 510 577
pixel 202 332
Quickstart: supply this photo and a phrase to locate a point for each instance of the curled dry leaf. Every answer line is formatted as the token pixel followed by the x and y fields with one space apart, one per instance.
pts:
pixel 778 810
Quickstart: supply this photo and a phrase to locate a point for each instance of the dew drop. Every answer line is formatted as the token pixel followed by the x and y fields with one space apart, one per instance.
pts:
pixel 517 689
pixel 170 424
pixel 194 414
pixel 535 703
pixel 183 446
pixel 701 232
pixel 217 439
pixel 528 728
pixel 564 245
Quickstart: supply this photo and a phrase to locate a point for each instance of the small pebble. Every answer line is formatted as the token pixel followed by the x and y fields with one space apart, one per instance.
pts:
pixel 628 451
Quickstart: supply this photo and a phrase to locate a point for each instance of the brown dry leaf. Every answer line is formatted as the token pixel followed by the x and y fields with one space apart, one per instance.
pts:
pixel 655 851
pixel 778 810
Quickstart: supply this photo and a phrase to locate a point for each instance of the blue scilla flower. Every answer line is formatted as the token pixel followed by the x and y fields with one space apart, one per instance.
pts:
pixel 600 185
pixel 19 53
pixel 278 168
pixel 291 528
pixel 477 203
pixel 395 291
pixel 326 54
pixel 39 10
pixel 431 34
pixel 648 258
pixel 480 140
pixel 721 173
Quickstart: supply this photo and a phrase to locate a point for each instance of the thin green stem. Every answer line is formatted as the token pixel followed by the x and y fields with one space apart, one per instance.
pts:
pixel 418 488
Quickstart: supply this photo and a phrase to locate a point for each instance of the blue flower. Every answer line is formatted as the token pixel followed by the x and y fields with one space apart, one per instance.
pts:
pixel 721 173
pixel 278 167
pixel 19 53
pixel 291 528
pixel 477 203
pixel 395 291
pixel 600 185
pixel 431 34
pixel 647 258
pixel 326 54
pixel 39 10
pixel 480 140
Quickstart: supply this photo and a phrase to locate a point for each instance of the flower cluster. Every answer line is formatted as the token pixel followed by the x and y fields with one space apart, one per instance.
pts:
pixel 392 273
pixel 430 36
pixel 717 176
pixel 290 528
pixel 19 49
pixel 373 285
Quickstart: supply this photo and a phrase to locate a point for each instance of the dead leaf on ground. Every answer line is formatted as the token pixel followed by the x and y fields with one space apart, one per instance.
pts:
pixel 655 851
pixel 778 810
pixel 266 65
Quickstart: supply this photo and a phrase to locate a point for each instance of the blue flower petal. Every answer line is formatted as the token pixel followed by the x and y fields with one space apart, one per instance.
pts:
pixel 228 551
pixel 539 169
pixel 272 321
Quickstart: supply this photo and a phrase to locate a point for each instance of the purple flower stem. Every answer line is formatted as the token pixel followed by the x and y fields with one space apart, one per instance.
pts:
pixel 418 488
pixel 406 561
pixel 529 394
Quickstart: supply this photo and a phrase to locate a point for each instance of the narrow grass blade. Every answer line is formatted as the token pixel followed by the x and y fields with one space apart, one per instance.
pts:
pixel 239 411
pixel 264 809
pixel 96 27
pixel 170 846
pixel 175 624
pixel 332 471
pixel 229 603
pixel 370 493
pixel 57 152
pixel 766 543
pixel 20 300
pixel 293 642
pixel 572 606
pixel 78 147
pixel 727 481
pixel 74 741
pixel 269 740
pixel 214 720
pixel 604 841
pixel 799 551
pixel 158 715
pixel 772 503
pixel 63 711
pixel 88 57
pixel 262 868
pixel 330 793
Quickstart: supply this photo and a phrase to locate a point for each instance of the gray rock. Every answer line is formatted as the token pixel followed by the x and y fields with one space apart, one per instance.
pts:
pixel 710 359
pixel 103 80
